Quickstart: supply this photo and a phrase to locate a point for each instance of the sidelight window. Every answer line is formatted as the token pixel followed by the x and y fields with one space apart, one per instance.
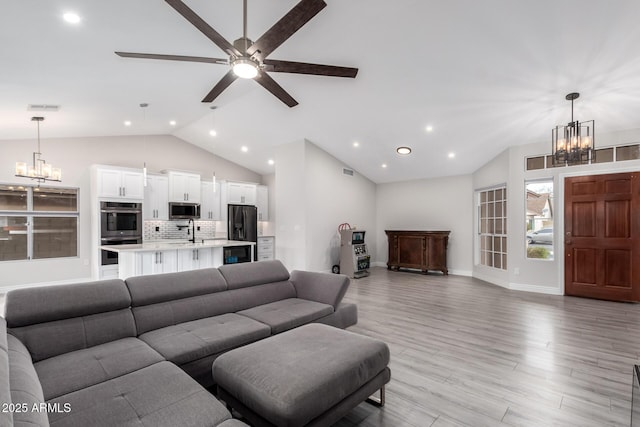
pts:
pixel 492 227
pixel 539 219
pixel 38 222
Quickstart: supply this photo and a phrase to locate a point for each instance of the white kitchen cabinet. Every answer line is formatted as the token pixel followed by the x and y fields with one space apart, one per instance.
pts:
pixel 266 248
pixel 184 187
pixel 262 202
pixel 193 259
pixel 120 184
pixel 156 198
pixel 210 206
pixel 157 262
pixel 240 193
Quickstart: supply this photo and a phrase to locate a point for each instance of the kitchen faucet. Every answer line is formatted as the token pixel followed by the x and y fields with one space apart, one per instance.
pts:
pixel 193 230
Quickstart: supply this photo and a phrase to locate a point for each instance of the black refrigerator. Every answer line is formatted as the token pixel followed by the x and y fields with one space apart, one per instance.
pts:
pixel 243 225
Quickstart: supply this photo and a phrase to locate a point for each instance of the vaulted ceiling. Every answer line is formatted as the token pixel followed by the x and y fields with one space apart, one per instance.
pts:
pixel 484 75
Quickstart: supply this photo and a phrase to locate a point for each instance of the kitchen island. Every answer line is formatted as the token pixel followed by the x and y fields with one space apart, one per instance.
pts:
pixel 172 256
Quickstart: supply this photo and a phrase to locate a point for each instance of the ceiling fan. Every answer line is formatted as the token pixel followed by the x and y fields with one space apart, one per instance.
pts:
pixel 248 59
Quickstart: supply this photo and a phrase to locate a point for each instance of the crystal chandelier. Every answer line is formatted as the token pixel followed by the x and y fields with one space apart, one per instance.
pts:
pixel 40 170
pixel 572 144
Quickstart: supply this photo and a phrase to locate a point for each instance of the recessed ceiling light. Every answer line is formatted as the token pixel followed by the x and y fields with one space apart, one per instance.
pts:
pixel 172 123
pixel 356 144
pixel 71 17
pixel 244 148
pixel 403 151
pixel 452 155
pixel 127 122
pixel 213 132
pixel 429 128
pixel 384 165
pixel 271 162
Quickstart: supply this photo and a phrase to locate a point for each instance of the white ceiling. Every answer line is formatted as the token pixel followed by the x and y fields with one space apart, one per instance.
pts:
pixel 485 74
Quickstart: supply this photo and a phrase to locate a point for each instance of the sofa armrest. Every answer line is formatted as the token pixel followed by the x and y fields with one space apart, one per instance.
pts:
pixel 326 288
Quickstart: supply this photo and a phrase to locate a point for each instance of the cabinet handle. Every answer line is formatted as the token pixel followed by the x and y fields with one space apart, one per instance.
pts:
pixel 160 257
pixel 155 261
pixel 197 254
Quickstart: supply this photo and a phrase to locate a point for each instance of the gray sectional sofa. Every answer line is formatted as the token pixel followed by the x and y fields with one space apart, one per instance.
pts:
pixel 116 353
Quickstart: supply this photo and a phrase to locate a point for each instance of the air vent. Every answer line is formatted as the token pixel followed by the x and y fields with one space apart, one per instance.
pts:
pixel 43 107
pixel 346 171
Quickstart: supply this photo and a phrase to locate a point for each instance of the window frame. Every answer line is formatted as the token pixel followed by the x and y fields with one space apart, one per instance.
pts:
pixel 503 236
pixel 30 214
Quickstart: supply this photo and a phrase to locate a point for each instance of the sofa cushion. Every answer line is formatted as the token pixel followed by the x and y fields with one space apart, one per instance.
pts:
pixel 255 273
pixel 48 303
pixel 189 341
pixel 160 315
pixel 157 288
pixel 50 339
pixel 288 313
pixel 158 395
pixel 83 368
pixel 5 395
pixel 320 287
pixel 24 385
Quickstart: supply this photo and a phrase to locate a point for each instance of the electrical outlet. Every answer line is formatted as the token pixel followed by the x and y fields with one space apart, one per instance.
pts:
pixel 198 228
pixel 516 271
pixel 157 228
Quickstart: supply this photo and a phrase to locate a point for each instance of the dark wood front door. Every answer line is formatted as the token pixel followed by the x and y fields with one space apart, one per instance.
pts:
pixel 602 236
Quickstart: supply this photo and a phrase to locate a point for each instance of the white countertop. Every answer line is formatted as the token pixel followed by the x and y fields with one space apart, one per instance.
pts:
pixel 174 245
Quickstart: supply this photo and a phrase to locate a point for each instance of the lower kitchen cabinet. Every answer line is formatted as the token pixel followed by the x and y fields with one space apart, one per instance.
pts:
pixel 143 263
pixel 266 248
pixel 193 259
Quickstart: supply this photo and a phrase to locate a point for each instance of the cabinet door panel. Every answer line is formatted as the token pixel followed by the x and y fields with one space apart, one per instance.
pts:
pixel 109 183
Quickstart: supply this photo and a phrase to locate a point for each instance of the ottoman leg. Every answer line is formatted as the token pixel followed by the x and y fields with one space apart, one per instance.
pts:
pixel 375 400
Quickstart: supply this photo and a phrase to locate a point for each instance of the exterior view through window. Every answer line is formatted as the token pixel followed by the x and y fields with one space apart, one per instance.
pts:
pixel 38 222
pixel 539 219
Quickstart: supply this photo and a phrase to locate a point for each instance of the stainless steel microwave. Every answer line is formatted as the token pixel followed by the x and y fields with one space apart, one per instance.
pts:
pixel 184 211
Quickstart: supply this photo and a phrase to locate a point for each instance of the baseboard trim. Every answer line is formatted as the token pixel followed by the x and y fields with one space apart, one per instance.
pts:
pixel 467 273
pixel 491 279
pixel 550 290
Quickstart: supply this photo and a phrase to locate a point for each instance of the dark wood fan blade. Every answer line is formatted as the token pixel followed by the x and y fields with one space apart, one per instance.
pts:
pixel 205 28
pixel 304 68
pixel 172 57
pixel 224 83
pixel 269 84
pixel 285 27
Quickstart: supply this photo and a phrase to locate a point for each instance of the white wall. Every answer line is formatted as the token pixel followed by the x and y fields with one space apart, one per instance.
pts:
pixel 313 197
pixel 74 156
pixel 430 204
pixel 269 227
pixel 332 199
pixel 290 207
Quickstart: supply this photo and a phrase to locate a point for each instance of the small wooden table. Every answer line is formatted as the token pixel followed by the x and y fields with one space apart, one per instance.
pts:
pixel 422 250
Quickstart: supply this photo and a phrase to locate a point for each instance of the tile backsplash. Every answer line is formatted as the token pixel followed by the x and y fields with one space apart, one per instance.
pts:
pixel 170 230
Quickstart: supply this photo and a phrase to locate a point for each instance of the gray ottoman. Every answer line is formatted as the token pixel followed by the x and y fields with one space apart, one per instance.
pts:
pixel 309 376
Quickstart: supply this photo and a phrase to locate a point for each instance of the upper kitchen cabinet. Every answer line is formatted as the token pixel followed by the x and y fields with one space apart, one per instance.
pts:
pixel 210 206
pixel 262 202
pixel 115 183
pixel 156 198
pixel 240 193
pixel 184 187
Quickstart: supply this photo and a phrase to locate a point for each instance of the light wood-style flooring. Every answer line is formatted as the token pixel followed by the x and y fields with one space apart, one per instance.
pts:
pixel 468 353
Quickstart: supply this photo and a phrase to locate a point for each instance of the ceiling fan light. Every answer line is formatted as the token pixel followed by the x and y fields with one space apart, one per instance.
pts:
pixel 245 68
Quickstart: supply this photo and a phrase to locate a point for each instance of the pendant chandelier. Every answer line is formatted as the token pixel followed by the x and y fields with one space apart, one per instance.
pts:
pixel 40 170
pixel 572 144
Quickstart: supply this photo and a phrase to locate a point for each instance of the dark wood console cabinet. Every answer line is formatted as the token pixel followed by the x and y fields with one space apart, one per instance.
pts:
pixel 422 250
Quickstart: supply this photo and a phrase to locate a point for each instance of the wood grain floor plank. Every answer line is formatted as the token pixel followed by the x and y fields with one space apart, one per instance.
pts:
pixel 468 353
